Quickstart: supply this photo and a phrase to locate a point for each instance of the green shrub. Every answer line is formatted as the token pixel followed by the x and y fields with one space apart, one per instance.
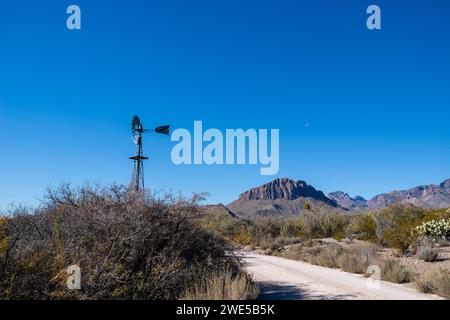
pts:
pixel 261 231
pixel 396 225
pixel 399 238
pixel 364 227
pixel 323 225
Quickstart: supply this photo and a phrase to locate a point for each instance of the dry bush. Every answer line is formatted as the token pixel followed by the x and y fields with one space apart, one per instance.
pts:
pixel 426 252
pixel 442 283
pixel 128 245
pixel 438 283
pixel 426 283
pixel 263 232
pixel 294 252
pixel 393 271
pixel 329 256
pixel 357 258
pixel 274 232
pixel 223 285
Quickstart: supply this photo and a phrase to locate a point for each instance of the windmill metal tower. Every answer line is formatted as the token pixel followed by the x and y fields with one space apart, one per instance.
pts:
pixel 137 178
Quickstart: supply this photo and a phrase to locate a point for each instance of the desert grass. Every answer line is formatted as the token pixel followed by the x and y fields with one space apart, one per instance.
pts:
pixel 437 282
pixel 393 271
pixel 329 256
pixel 358 258
pixel 224 285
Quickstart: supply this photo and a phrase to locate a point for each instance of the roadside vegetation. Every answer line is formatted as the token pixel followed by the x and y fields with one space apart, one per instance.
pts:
pixel 351 242
pixel 128 246
pixel 134 246
pixel 223 285
pixel 435 282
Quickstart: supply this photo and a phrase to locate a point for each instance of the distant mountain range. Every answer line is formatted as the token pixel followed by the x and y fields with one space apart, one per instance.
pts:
pixel 287 197
pixel 427 196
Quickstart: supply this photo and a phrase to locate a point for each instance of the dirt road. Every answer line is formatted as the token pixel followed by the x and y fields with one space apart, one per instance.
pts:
pixel 285 279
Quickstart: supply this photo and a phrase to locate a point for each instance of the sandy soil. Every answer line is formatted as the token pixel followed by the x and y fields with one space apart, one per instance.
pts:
pixel 283 279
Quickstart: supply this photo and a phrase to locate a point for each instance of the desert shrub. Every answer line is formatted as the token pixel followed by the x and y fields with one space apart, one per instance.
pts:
pixel 363 227
pixel 263 232
pixel 294 252
pixel 426 252
pixel 5 245
pixel 357 258
pixel 394 225
pixel 323 224
pixel 4 239
pixel 223 285
pixel 310 255
pixel 329 256
pixel 442 283
pixel 280 242
pixel 425 284
pixel 393 271
pixel 438 283
pixel 308 243
pixel 128 245
pixel 399 238
pixel 268 231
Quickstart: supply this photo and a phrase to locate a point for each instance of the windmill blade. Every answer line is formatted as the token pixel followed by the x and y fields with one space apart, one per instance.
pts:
pixel 135 123
pixel 163 129
pixel 135 138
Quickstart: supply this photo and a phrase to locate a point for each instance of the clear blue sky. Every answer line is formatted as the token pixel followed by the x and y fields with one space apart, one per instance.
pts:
pixel 377 102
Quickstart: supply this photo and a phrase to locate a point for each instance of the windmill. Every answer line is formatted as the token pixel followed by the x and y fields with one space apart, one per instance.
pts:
pixel 137 179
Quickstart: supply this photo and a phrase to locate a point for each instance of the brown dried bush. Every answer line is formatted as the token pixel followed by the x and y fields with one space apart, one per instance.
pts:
pixel 128 245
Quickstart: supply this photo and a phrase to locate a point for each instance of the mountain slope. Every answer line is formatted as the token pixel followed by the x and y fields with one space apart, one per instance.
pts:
pixel 284 197
pixel 428 196
pixel 344 200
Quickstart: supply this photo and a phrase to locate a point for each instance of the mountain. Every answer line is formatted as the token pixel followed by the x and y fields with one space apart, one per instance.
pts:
pixel 427 196
pixel 284 197
pixel 344 200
